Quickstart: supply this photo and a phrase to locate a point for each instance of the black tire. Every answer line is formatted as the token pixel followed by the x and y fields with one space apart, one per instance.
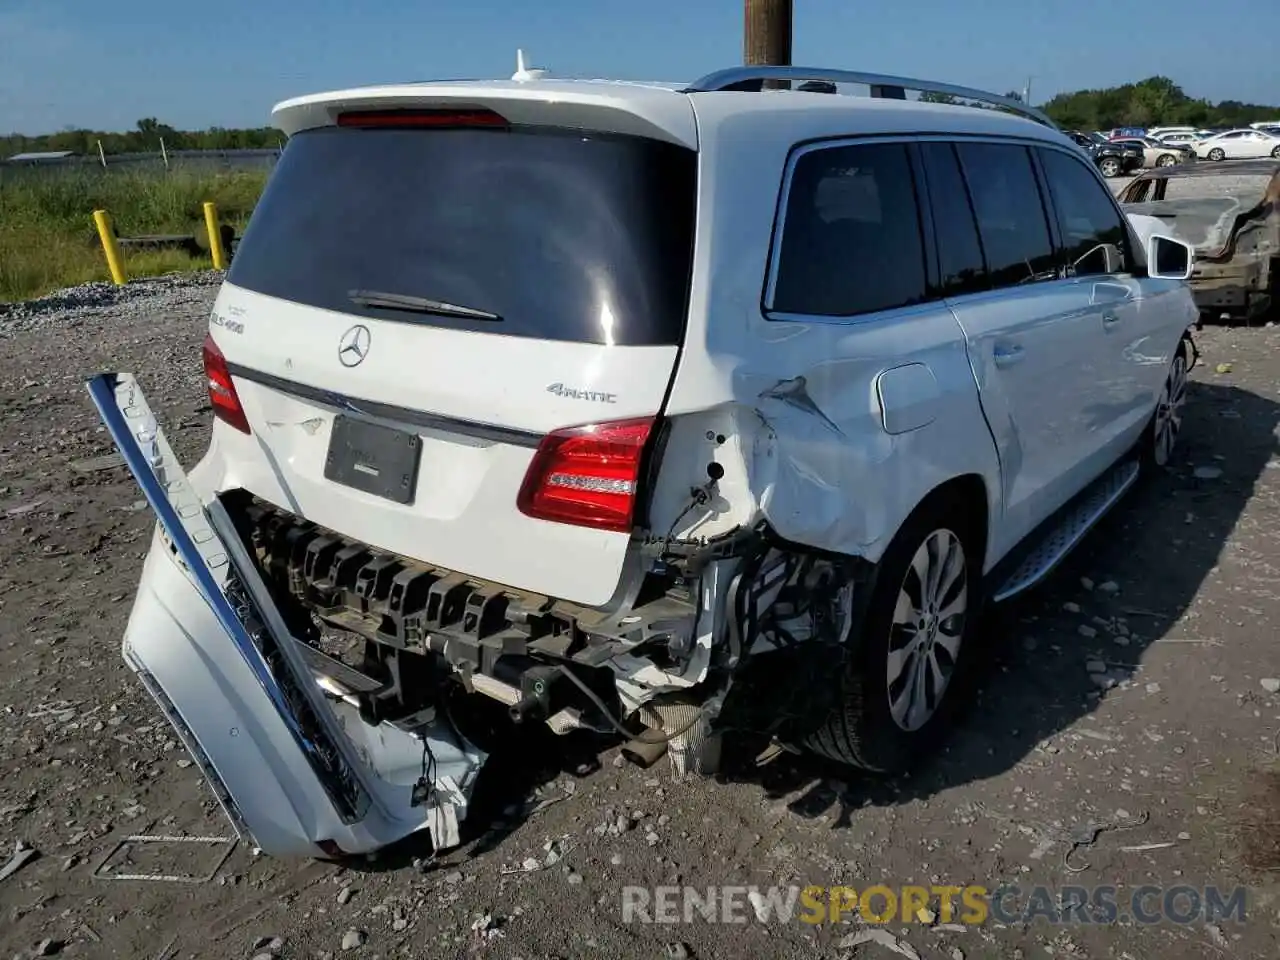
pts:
pixel 1217 154
pixel 861 731
pixel 1276 153
pixel 1153 454
pixel 1166 160
pixel 1110 167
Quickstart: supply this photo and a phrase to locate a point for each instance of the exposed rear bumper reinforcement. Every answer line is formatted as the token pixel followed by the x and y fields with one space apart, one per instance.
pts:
pixel 293 765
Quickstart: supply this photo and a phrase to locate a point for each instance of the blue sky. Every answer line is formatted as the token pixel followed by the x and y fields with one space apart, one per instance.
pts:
pixel 225 62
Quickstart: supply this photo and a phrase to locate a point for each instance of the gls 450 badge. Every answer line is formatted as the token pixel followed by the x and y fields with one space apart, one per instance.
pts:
pixel 227 323
pixel 573 393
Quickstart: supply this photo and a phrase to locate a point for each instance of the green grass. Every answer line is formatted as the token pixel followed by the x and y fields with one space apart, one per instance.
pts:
pixel 47 236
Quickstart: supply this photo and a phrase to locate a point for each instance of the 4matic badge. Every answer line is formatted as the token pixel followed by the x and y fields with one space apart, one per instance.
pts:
pixel 572 393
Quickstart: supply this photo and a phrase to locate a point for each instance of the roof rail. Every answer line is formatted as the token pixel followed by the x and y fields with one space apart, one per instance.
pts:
pixel 882 85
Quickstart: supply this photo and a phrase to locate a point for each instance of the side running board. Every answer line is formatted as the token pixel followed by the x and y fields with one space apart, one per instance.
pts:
pixel 1063 533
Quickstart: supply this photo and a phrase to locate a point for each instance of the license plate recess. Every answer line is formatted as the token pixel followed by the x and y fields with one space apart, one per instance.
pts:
pixel 374 458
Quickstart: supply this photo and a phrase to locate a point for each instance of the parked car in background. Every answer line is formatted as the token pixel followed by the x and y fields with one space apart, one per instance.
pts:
pixel 1231 216
pixel 1112 158
pixel 1157 154
pixel 1183 138
pixel 1243 144
pixel 1161 133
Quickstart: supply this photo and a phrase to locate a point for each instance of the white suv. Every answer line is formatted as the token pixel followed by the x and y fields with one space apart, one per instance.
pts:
pixel 670 411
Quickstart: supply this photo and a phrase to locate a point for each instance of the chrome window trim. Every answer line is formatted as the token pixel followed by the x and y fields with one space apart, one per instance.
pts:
pixel 831 143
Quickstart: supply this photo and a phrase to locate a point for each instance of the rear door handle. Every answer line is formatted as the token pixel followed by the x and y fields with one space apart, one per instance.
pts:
pixel 1110 319
pixel 1007 354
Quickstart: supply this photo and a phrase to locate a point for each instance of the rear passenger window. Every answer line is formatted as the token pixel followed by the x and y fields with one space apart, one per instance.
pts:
pixel 959 251
pixel 851 241
pixel 1011 221
pixel 1094 239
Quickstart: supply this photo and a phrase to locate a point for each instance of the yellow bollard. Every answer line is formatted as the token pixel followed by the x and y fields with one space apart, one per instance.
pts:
pixel 215 236
pixel 102 220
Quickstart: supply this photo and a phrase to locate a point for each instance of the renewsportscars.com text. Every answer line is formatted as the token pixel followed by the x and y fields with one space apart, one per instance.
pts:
pixel 971 905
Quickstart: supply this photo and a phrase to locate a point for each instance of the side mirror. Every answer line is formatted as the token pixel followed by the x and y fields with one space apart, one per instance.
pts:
pixel 1169 259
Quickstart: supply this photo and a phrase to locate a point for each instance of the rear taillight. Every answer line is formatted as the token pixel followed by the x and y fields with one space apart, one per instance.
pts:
pixel 222 392
pixel 421 118
pixel 587 476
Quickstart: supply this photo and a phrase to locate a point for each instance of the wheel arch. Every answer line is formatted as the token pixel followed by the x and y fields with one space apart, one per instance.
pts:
pixel 967 499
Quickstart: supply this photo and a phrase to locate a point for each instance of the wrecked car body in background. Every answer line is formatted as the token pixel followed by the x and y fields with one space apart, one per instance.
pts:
pixel 1230 213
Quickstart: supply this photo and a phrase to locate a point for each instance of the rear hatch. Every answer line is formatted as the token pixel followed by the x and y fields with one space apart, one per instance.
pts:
pixel 450 337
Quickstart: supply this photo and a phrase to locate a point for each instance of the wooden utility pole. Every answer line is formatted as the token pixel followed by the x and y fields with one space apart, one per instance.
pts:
pixel 766 36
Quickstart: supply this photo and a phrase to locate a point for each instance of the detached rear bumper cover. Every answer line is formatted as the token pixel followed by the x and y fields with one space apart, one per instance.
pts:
pixel 297 772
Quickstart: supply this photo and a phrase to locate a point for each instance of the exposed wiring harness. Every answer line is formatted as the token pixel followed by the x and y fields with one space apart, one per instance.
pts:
pixel 766 599
pixel 615 722
pixel 698 496
pixel 425 788
pixel 787 599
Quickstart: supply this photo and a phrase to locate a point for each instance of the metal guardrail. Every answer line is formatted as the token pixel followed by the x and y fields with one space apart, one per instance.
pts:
pixel 230 159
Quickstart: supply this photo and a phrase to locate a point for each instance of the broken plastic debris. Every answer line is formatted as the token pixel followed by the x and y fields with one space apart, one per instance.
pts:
pixel 882 937
pixel 22 855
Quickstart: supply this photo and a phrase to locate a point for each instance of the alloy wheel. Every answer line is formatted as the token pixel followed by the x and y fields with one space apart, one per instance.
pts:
pixel 927 629
pixel 1168 419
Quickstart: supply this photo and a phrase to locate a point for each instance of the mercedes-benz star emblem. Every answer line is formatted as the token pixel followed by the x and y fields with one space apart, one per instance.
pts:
pixel 354 346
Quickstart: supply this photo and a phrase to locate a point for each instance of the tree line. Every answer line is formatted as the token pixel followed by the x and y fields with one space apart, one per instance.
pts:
pixel 1156 101
pixel 145 139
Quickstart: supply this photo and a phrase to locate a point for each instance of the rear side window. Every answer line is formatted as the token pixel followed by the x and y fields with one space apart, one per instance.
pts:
pixel 1094 238
pixel 851 240
pixel 564 235
pixel 959 249
pixel 1011 220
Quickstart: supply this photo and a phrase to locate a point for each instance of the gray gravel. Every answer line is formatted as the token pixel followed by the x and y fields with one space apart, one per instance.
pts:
pixel 73 306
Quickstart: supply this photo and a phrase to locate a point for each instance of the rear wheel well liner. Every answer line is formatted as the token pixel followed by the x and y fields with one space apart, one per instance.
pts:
pixel 964 497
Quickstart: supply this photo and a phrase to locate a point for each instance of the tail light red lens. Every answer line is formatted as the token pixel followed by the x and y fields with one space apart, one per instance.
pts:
pixel 222 392
pixel 421 118
pixel 587 476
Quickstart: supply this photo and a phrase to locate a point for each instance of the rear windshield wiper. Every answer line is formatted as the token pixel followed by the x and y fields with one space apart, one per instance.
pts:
pixel 412 304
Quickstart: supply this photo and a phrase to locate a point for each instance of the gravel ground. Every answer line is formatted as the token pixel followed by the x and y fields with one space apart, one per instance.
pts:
pixel 1139 683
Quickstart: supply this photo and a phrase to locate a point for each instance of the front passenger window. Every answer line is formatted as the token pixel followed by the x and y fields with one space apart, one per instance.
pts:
pixel 1010 214
pixel 1094 238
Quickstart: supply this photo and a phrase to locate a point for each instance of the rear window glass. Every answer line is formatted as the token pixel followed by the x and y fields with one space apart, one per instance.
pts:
pixel 851 234
pixel 563 235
